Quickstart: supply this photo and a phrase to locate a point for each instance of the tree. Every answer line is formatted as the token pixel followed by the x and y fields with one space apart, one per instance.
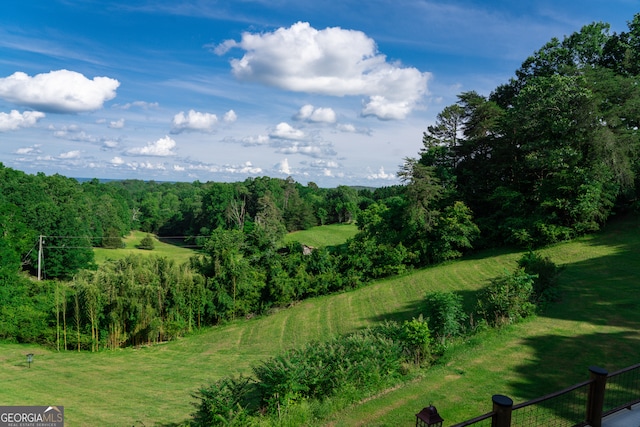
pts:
pixel 423 190
pixel 342 203
pixel 441 143
pixel 235 283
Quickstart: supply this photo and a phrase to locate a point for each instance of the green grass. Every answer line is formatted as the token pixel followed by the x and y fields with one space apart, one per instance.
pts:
pixel 179 254
pixel 596 323
pixel 322 236
pixel 327 235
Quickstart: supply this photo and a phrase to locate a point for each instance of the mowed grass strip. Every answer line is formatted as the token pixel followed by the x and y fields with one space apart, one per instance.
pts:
pixel 595 323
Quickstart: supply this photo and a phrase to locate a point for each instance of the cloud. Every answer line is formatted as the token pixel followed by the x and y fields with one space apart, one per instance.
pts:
pixel 117 124
pixel 381 175
pixel 73 133
pixel 117 161
pixel 230 116
pixel 252 141
pixel 322 164
pixel 16 120
pixel 161 148
pixel 70 155
pixel 110 144
pixel 347 127
pixel 61 91
pixel 146 165
pixel 35 149
pixel 332 61
pixel 283 167
pixel 286 131
pixel 246 168
pixel 385 109
pixel 194 121
pixel 307 150
pixel 140 104
pixel 309 113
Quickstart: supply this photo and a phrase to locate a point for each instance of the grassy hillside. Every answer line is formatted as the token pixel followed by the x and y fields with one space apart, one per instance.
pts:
pixel 131 242
pixel 326 235
pixel 596 323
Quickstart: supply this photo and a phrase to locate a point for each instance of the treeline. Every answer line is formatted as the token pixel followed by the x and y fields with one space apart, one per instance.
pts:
pixel 76 216
pixel 553 153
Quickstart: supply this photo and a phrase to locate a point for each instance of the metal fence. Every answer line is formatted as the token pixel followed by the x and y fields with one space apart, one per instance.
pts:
pixel 622 390
pixel 561 409
pixel 579 405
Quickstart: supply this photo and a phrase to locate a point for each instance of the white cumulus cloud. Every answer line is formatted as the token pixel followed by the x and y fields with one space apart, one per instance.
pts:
pixel 230 116
pixel 286 131
pixel 117 124
pixel 60 91
pixel 251 141
pixel 283 167
pixel 16 120
pixel 333 61
pixel 381 175
pixel 309 113
pixel 194 121
pixel 161 148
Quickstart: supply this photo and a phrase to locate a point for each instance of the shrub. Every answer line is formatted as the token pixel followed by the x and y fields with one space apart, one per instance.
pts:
pixel 417 339
pixel 223 403
pixel 363 360
pixel 445 315
pixel 147 243
pixel 507 299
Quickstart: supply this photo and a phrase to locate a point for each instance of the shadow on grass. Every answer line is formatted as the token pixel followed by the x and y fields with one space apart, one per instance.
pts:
pixel 417 308
pixel 602 293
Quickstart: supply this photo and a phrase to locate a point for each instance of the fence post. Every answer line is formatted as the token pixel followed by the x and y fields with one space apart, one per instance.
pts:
pixel 502 406
pixel 595 400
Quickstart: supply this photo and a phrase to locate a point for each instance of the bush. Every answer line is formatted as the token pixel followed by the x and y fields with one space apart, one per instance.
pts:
pixel 507 299
pixel 445 315
pixel 223 403
pixel 417 339
pixel 147 243
pixel 364 360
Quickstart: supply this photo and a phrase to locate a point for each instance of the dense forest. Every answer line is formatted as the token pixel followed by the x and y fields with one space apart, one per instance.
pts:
pixel 546 157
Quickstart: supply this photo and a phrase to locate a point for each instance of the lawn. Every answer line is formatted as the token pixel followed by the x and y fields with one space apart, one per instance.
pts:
pixel 322 236
pixel 178 253
pixel 596 323
pixel 327 235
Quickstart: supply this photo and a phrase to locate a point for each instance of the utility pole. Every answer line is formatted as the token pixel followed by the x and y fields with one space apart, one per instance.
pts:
pixel 40 258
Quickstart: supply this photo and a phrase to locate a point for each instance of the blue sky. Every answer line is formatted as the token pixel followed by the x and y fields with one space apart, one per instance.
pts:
pixel 334 92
